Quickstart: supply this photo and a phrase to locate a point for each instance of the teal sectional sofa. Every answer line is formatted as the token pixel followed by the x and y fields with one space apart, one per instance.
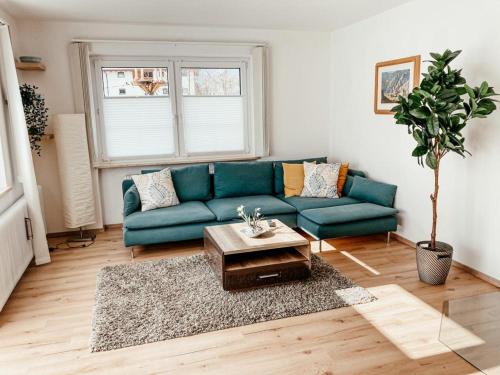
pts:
pixel 366 206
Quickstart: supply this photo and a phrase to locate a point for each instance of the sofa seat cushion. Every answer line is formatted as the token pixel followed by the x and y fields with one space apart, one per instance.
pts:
pixel 184 213
pixel 225 208
pixel 347 213
pixel 306 203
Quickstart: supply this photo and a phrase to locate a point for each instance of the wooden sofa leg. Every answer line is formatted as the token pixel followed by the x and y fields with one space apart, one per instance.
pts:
pixel 132 255
pixel 388 238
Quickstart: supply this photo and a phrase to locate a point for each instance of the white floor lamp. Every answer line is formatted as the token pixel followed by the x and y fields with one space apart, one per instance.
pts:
pixel 75 175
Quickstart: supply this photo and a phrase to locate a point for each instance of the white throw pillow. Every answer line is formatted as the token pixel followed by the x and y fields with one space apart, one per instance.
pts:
pixel 156 189
pixel 320 180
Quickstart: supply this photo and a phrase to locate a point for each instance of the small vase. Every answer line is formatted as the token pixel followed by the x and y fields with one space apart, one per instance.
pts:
pixel 434 265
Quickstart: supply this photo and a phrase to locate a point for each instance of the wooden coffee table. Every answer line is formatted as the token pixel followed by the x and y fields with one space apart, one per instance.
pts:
pixel 278 256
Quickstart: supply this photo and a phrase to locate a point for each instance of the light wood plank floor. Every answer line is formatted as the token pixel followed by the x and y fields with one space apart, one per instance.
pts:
pixel 45 326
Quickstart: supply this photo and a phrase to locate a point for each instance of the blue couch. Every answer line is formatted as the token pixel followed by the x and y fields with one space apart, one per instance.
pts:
pixel 366 206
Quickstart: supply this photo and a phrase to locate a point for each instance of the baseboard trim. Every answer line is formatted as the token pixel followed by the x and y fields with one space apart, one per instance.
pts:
pixel 113 226
pixel 480 275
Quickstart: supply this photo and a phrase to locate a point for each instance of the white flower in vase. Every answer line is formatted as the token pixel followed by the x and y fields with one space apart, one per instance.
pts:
pixel 253 221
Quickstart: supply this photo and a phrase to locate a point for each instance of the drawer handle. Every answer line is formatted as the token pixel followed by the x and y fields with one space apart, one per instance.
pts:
pixel 268 276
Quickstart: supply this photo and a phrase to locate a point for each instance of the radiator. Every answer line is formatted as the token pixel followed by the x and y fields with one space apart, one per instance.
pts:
pixel 15 249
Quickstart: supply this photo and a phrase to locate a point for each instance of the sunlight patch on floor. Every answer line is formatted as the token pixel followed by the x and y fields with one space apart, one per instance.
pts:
pixel 323 245
pixel 408 322
pixel 360 262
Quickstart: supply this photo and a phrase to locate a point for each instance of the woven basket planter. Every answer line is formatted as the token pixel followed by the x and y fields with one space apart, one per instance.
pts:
pixel 433 265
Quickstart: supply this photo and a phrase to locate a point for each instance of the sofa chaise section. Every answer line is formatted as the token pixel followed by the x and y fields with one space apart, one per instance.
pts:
pixel 348 220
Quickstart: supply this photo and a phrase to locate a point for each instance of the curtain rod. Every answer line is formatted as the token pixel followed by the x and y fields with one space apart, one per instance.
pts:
pixel 219 43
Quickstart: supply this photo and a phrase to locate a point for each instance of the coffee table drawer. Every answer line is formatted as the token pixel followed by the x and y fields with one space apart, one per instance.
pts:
pixel 259 276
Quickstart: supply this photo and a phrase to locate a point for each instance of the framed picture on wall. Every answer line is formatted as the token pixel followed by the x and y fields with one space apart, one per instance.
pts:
pixel 392 79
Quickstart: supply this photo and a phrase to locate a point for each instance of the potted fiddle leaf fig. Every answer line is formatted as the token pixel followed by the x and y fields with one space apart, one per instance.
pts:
pixel 436 113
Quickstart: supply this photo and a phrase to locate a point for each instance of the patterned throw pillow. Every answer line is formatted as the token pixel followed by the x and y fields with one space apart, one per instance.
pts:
pixel 156 190
pixel 320 180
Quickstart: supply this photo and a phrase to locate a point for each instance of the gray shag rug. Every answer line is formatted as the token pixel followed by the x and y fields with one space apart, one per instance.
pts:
pixel 158 300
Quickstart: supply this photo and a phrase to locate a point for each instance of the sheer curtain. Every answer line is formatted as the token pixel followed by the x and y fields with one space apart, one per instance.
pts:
pixel 21 147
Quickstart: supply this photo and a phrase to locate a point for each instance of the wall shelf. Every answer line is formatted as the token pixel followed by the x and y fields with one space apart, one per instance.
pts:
pixel 29 66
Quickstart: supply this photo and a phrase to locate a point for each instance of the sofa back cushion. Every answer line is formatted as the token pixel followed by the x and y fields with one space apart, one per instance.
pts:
pixel 278 171
pixel 191 183
pixel 126 184
pixel 350 179
pixel 131 200
pixel 372 191
pixel 243 178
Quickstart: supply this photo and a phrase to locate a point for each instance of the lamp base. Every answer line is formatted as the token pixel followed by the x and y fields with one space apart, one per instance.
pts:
pixel 82 240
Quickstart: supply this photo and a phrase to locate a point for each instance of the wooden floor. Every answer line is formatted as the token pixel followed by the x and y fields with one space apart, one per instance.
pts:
pixel 45 326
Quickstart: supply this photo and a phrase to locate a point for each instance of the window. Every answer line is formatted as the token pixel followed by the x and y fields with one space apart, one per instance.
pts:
pixel 213 110
pixel 5 167
pixel 171 109
pixel 137 119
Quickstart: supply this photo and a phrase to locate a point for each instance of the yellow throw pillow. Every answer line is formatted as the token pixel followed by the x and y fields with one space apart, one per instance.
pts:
pixel 344 168
pixel 293 179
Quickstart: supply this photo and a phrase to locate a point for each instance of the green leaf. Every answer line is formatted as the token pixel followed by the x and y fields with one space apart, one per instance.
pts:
pixel 423 93
pixel 487 104
pixel 419 151
pixel 435 56
pixel 418 136
pixel 433 125
pixel 431 160
pixel 448 95
pixel 421 112
pixel 470 91
pixel 483 89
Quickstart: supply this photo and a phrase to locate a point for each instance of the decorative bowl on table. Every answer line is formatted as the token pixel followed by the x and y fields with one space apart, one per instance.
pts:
pixel 254 233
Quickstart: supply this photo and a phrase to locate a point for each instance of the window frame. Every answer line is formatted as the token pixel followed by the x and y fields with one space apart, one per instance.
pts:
pixel 5 159
pixel 174 64
pixel 207 64
pixel 13 190
pixel 100 130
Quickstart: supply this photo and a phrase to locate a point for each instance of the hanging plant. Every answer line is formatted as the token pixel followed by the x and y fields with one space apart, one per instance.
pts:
pixel 35 114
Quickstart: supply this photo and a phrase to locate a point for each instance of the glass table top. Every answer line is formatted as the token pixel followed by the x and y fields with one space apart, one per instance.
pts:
pixel 471 328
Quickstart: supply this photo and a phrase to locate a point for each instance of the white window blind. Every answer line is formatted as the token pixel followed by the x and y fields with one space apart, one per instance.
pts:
pixel 138 127
pixel 213 108
pixel 213 124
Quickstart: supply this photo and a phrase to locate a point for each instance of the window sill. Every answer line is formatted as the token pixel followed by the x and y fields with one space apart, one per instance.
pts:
pixel 5 191
pixel 171 161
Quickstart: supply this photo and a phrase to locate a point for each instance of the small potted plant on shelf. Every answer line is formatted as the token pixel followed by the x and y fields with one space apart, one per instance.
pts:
pixel 254 222
pixel 436 112
pixel 35 114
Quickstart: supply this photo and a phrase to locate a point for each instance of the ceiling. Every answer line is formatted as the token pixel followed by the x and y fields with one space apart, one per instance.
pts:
pixel 268 14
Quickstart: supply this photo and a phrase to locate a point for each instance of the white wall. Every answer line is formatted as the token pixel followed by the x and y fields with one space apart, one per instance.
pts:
pixel 299 84
pixel 469 204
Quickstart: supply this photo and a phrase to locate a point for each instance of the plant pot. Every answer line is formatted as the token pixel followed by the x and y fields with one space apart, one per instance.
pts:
pixel 433 265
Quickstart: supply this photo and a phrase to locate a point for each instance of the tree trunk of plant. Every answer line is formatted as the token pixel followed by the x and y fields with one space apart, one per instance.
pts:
pixel 434 198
